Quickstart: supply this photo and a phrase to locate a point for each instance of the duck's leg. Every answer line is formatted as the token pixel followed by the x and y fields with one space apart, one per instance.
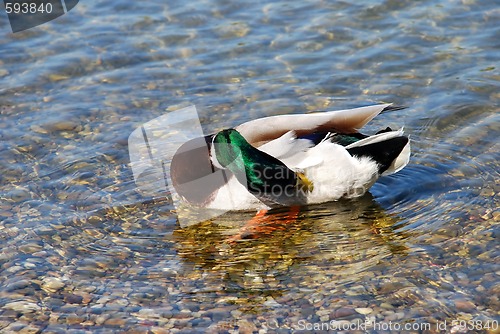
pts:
pixel 259 214
pixel 262 223
pixel 292 214
pixel 250 225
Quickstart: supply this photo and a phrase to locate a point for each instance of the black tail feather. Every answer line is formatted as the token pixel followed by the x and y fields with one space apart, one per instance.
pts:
pixel 383 152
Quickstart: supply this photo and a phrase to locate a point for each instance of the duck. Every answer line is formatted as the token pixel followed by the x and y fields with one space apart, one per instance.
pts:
pixel 288 160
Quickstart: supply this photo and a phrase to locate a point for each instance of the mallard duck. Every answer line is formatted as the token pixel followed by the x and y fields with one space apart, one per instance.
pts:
pixel 288 160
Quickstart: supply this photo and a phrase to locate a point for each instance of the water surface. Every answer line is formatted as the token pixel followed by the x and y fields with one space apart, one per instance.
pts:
pixel 84 251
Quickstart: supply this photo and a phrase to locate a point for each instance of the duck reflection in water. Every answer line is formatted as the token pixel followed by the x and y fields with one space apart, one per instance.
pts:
pixel 349 236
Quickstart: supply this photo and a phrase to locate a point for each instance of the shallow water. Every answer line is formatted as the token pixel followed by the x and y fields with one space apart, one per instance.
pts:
pixel 84 251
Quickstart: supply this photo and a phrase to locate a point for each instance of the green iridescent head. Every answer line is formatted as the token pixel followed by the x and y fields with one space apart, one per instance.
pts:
pixel 264 176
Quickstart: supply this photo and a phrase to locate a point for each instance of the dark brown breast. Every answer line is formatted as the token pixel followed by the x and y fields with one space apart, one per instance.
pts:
pixel 191 162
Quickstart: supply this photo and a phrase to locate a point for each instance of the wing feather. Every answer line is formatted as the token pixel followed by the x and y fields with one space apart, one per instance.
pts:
pixel 260 131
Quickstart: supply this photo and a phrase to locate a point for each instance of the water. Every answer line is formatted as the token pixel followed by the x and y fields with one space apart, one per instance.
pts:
pixel 84 251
